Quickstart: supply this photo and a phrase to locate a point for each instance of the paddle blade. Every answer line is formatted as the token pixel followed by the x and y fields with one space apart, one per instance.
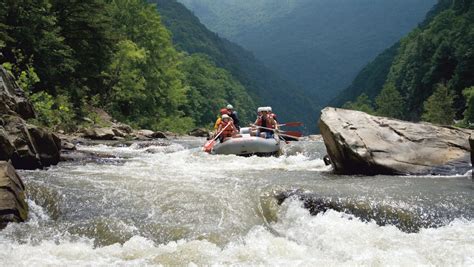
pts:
pixel 209 145
pixel 293 133
pixel 295 124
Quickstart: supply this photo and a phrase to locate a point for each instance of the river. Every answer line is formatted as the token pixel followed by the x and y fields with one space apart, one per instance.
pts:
pixel 175 205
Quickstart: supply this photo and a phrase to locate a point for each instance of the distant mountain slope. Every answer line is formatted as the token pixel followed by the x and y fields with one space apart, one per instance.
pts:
pixel 439 51
pixel 318 44
pixel 370 80
pixel 193 37
pixel 230 17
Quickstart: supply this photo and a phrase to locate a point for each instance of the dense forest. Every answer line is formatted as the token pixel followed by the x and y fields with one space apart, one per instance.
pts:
pixel 319 45
pixel 427 75
pixel 265 86
pixel 116 55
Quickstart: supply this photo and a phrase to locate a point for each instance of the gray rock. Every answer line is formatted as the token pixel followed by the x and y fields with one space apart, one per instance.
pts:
pixel 99 133
pixel 144 133
pixel 200 132
pixel 46 145
pixel 27 146
pixel 124 128
pixel 358 143
pixel 13 205
pixel 6 147
pixel 13 100
pixel 66 145
pixel 118 133
pixel 383 214
pixel 159 135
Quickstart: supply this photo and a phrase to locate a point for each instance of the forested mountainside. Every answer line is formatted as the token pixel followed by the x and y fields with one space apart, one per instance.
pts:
pixel 229 18
pixel 190 35
pixel 429 72
pixel 116 55
pixel 318 44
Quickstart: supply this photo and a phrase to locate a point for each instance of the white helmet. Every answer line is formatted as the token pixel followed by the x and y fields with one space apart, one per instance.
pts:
pixel 260 109
pixel 269 109
pixel 225 116
pixel 230 106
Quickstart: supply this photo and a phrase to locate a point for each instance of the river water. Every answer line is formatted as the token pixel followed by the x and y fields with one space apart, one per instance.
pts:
pixel 175 205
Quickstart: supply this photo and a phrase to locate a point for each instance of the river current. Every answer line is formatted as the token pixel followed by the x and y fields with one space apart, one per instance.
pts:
pixel 172 204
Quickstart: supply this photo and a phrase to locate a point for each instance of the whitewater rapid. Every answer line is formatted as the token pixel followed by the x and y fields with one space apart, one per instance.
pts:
pixel 174 205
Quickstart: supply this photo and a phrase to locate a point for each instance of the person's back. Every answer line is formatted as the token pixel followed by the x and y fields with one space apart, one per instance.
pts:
pixel 234 116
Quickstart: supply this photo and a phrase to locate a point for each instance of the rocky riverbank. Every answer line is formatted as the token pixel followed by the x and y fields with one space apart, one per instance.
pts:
pixel 26 146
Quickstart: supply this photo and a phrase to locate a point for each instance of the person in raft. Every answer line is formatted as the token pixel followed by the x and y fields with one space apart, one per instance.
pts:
pixel 223 111
pixel 227 127
pixel 273 115
pixel 234 116
pixel 266 125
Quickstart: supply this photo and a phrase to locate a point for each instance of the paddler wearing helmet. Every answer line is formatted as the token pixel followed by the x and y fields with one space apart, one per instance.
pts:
pixel 222 112
pixel 234 116
pixel 227 127
pixel 266 125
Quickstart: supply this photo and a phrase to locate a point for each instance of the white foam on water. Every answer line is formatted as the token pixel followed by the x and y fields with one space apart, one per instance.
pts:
pixel 332 239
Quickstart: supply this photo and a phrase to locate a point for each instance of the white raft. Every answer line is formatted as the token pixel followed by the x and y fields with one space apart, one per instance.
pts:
pixel 248 145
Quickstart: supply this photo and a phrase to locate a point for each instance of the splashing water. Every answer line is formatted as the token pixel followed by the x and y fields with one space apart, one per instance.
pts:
pixel 175 205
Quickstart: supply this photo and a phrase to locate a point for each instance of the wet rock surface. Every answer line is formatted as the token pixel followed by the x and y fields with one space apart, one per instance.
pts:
pixel 13 205
pixel 358 143
pixel 410 221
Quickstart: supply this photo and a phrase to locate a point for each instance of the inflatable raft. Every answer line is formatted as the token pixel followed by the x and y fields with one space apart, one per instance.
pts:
pixel 248 145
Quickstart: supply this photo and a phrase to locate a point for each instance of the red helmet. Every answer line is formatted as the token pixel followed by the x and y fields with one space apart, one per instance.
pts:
pixel 224 111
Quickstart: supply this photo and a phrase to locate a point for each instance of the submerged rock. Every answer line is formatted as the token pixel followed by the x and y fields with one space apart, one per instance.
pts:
pixel 358 143
pixel 405 220
pixel 13 205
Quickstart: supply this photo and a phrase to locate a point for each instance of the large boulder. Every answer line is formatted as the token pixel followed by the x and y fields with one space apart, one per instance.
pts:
pixel 358 143
pixel 12 98
pixel 27 146
pixel 13 205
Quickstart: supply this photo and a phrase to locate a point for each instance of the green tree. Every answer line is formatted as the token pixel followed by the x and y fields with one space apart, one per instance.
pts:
pixel 390 103
pixel 468 120
pixel 438 108
pixel 149 58
pixel 210 89
pixel 362 103
pixel 33 39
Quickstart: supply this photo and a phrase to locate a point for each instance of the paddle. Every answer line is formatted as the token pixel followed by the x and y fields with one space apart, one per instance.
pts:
pixel 291 124
pixel 291 134
pixel 210 144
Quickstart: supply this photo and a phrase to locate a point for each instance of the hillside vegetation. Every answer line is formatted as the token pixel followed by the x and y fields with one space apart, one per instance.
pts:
pixel 320 45
pixel 266 88
pixel 117 55
pixel 429 68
